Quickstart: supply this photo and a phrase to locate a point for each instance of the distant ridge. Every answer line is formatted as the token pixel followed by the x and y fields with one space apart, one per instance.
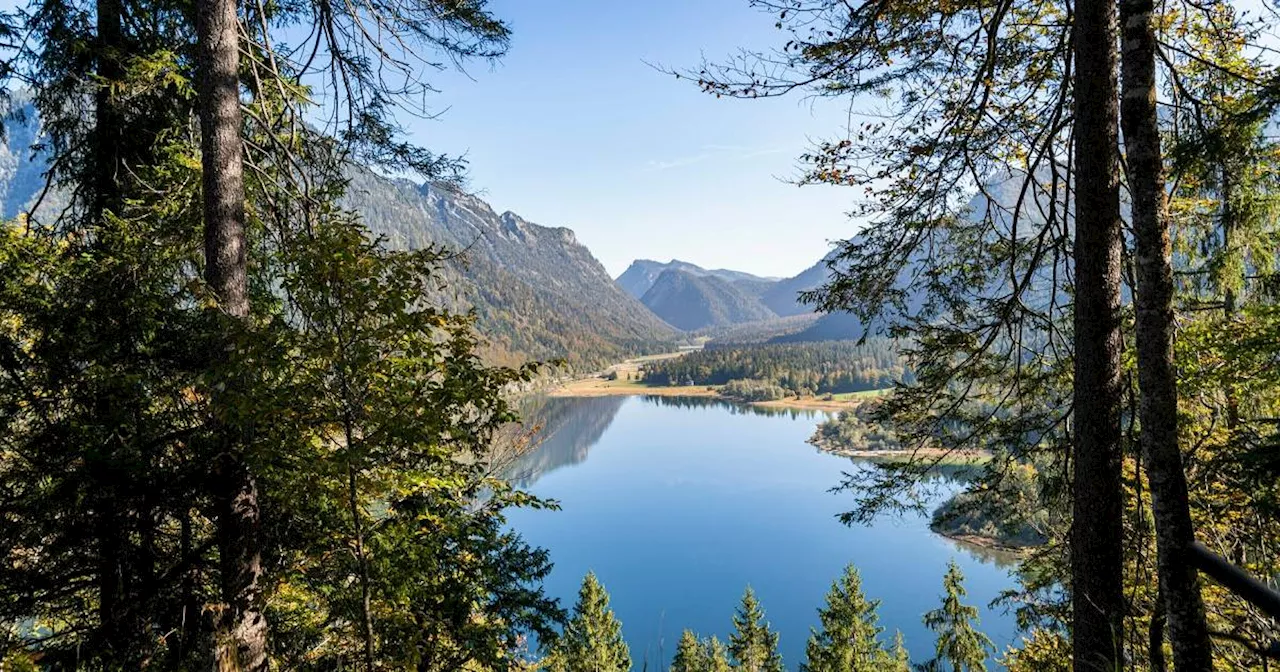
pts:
pixel 692 298
pixel 642 273
pixel 691 302
pixel 537 292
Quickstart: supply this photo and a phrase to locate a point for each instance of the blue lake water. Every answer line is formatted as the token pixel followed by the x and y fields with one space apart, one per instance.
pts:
pixel 678 506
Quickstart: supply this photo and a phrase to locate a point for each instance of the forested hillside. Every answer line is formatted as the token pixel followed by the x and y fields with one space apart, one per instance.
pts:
pixel 802 368
pixel 690 302
pixel 537 291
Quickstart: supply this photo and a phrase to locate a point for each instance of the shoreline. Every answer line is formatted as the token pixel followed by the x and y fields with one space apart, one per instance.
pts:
pixel 948 456
pixel 985 543
pixel 599 387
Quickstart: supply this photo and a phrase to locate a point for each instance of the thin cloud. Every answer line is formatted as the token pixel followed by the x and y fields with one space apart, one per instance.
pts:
pixel 716 152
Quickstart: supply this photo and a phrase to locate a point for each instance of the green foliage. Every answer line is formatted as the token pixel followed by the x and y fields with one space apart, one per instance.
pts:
pixel 961 646
pixel 690 654
pixel 752 390
pixel 753 645
pixel 856 429
pixel 700 655
pixel 828 367
pixel 1010 513
pixel 592 639
pixel 1042 651
pixel 901 659
pixel 369 417
pixel 849 637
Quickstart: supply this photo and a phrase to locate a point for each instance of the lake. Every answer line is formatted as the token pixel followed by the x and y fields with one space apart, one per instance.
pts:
pixel 678 505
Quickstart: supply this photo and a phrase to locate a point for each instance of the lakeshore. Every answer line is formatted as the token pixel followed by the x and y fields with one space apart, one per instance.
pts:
pixel 597 386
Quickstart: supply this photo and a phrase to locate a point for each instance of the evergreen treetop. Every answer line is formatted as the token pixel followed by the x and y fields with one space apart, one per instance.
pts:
pixel 592 640
pixel 961 646
pixel 849 637
pixel 753 645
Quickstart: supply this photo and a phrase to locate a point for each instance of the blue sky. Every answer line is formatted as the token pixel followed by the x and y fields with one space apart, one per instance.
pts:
pixel 574 128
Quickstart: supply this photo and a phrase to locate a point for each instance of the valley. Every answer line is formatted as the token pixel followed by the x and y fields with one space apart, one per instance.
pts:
pixel 676 504
pixel 734 336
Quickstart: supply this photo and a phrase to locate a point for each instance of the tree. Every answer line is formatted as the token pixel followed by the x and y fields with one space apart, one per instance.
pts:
pixel 592 640
pixel 990 179
pixel 1097 596
pixel 718 656
pixel 961 646
pixel 1158 405
pixel 899 655
pixel 241 638
pixel 849 637
pixel 117 419
pixel 753 645
pixel 691 654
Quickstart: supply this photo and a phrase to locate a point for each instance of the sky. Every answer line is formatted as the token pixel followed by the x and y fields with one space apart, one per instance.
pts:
pixel 575 127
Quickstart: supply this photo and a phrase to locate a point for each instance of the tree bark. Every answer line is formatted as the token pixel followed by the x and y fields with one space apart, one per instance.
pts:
pixel 1155 636
pixel 1097 527
pixel 241 640
pixel 108 128
pixel 1157 382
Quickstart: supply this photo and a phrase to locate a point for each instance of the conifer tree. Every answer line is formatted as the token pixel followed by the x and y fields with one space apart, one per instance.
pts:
pixel 691 654
pixel 899 656
pixel 849 640
pixel 717 655
pixel 753 645
pixel 961 646
pixel 592 640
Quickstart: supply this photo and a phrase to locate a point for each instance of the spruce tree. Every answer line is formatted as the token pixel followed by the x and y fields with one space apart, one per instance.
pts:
pixel 849 640
pixel 691 654
pixel 717 655
pixel 700 655
pixel 901 659
pixel 961 646
pixel 753 645
pixel 592 640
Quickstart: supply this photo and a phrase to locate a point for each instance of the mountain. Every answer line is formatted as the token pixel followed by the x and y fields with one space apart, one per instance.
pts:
pixel 690 301
pixel 537 292
pixel 642 273
pixel 783 296
pixel 1002 194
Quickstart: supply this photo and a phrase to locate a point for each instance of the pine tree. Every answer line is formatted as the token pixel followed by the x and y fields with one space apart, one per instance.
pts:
pixel 753 645
pixel 592 640
pixel 849 640
pixel 961 646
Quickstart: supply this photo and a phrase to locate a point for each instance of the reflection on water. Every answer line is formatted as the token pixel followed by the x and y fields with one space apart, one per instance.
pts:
pixel 567 428
pixel 678 504
pixel 735 408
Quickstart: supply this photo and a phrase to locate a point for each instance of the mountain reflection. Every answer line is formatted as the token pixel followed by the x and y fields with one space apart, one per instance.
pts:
pixel 568 428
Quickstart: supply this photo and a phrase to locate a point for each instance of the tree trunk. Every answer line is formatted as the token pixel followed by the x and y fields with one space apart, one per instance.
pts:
pixel 108 127
pixel 1155 636
pixel 1158 403
pixel 241 640
pixel 1097 527
pixel 366 610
